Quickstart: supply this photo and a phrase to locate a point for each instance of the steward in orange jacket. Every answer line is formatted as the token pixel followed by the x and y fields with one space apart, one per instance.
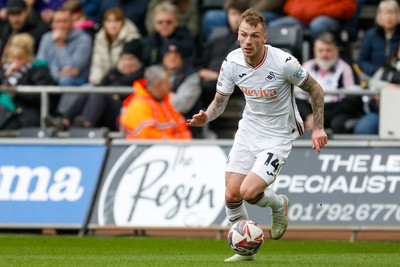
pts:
pixel 144 117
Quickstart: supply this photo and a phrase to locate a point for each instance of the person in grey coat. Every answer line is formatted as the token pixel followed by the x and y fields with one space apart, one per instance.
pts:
pixel 67 52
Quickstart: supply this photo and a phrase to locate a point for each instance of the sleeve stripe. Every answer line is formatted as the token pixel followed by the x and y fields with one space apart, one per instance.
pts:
pixel 304 81
pixel 222 93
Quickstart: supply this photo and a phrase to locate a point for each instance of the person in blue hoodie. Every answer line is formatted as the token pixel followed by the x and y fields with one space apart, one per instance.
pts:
pixel 67 51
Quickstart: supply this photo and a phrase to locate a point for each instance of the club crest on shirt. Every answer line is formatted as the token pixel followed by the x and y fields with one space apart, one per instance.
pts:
pixel 270 77
pixel 299 70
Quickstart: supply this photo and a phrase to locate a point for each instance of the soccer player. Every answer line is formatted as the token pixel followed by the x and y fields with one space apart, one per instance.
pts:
pixel 270 121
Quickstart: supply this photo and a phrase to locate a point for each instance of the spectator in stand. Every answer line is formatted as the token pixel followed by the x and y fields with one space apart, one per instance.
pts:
pixel 46 9
pixel 186 89
pixel 318 16
pixel 79 18
pixel 333 73
pixel 386 77
pixel 188 15
pixel 115 32
pixel 381 40
pixel 217 49
pixel 67 51
pixel 22 109
pixel 102 110
pixel 167 27
pixel 3 11
pixel 148 114
pixel 20 20
pixel 271 9
pixel 135 10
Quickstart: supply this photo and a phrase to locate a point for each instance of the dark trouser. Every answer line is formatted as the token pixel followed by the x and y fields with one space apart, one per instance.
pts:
pixel 101 110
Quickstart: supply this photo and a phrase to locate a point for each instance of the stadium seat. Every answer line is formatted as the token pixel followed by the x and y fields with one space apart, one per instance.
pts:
pixel 287 38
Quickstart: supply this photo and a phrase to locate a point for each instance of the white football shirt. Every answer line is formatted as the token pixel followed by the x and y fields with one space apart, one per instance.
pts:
pixel 268 88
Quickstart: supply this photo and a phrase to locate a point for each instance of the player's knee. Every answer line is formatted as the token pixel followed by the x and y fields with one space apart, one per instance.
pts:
pixel 249 195
pixel 232 196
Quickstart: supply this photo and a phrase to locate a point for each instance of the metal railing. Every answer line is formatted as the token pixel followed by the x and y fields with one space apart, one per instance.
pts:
pixel 45 91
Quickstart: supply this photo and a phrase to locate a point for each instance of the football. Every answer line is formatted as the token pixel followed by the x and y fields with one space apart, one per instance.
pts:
pixel 245 237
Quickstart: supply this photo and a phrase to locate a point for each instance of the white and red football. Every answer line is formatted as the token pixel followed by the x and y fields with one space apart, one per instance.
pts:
pixel 245 237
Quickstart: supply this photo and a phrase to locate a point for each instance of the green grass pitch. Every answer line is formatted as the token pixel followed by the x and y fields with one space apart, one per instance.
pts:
pixel 36 250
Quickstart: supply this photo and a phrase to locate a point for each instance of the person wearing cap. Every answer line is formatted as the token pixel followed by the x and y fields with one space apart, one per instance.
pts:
pixel 167 27
pixel 186 89
pixel 21 20
pixel 148 113
pixel 102 110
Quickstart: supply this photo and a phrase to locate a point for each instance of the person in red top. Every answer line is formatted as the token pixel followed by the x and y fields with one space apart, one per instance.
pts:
pixel 318 15
pixel 148 113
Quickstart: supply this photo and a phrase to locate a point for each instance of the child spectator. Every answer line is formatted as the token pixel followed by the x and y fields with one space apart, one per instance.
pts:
pixel 22 109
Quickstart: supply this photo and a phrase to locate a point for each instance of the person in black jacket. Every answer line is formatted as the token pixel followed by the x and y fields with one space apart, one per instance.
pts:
pixel 102 110
pixel 167 28
pixel 20 20
pixel 22 109
pixel 218 48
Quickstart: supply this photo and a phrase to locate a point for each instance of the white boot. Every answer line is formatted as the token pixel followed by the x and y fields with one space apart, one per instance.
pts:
pixel 238 257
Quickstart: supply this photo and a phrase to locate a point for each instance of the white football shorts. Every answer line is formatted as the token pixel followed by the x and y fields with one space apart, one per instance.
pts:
pixel 264 157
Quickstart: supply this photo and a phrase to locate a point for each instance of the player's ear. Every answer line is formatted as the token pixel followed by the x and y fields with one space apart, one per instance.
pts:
pixel 265 38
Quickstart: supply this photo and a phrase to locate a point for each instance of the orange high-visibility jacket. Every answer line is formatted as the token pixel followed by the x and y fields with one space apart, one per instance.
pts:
pixel 143 117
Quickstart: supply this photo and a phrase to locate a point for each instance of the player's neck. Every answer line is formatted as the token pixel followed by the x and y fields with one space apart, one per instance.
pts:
pixel 258 58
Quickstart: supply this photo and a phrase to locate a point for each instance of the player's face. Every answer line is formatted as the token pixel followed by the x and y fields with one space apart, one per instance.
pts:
pixel 252 40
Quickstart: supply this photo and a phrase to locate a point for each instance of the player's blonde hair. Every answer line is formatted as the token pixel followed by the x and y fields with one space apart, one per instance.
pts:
pixel 253 18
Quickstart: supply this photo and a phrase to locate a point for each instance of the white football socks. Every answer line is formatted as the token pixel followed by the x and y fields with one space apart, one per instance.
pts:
pixel 271 199
pixel 236 211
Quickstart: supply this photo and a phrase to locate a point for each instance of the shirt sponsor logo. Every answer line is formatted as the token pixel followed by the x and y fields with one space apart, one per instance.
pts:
pixel 269 94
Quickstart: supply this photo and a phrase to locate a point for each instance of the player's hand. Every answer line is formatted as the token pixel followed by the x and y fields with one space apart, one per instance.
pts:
pixel 198 120
pixel 318 139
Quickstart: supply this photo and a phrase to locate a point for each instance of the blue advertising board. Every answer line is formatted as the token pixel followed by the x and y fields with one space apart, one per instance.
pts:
pixel 48 184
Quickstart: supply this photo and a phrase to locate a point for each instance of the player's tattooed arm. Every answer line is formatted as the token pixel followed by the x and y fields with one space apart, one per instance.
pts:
pixel 317 100
pixel 217 106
